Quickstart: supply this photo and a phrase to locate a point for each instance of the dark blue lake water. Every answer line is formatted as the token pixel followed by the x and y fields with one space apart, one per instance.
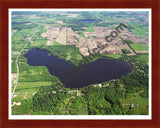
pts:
pixel 98 71
pixel 17 23
pixel 87 21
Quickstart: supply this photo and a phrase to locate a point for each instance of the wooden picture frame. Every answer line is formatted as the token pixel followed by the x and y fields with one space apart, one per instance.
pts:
pixel 4 8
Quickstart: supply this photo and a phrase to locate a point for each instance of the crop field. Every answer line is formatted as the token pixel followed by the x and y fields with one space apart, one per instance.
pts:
pixel 115 56
pixel 31 86
pixel 138 29
pixel 139 46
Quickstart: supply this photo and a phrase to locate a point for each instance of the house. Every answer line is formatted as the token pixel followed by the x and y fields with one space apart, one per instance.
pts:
pixel 18 103
pixel 132 105
pixel 100 85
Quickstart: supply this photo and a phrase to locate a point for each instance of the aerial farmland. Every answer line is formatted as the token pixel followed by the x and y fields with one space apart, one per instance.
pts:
pixel 79 63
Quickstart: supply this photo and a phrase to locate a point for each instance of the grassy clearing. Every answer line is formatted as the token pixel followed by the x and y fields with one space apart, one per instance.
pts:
pixel 79 57
pixel 115 56
pixel 90 29
pixel 31 86
pixel 20 34
pixel 139 46
pixel 39 43
pixel 21 96
pixel 81 34
pixel 56 43
pixel 69 56
pixel 135 99
pixel 19 45
pixel 17 36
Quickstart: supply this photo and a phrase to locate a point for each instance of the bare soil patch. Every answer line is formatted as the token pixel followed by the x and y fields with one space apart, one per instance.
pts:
pixel 59 22
pixel 55 33
pixel 13 77
pixel 92 40
pixel 72 37
pixel 62 36
pixel 34 16
pixel 14 31
pixel 72 15
pixel 28 23
pixel 49 43
pixel 127 35
pixel 142 51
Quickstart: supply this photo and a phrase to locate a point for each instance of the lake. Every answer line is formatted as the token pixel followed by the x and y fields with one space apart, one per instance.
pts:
pixel 87 21
pixel 99 71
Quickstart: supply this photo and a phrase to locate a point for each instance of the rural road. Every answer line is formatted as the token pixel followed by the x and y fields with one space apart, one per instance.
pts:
pixel 29 40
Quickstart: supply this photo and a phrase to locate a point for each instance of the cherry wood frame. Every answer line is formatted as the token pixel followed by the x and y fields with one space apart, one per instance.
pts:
pixel 6 4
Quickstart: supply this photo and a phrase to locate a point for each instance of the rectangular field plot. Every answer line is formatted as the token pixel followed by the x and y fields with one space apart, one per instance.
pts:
pixel 139 46
pixel 30 86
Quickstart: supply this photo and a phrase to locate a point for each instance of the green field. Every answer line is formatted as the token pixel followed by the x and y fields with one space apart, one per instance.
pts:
pixel 31 86
pixel 56 43
pixel 81 34
pixel 90 29
pixel 140 106
pixel 140 30
pixel 139 46
pixel 115 56
pixel 39 43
